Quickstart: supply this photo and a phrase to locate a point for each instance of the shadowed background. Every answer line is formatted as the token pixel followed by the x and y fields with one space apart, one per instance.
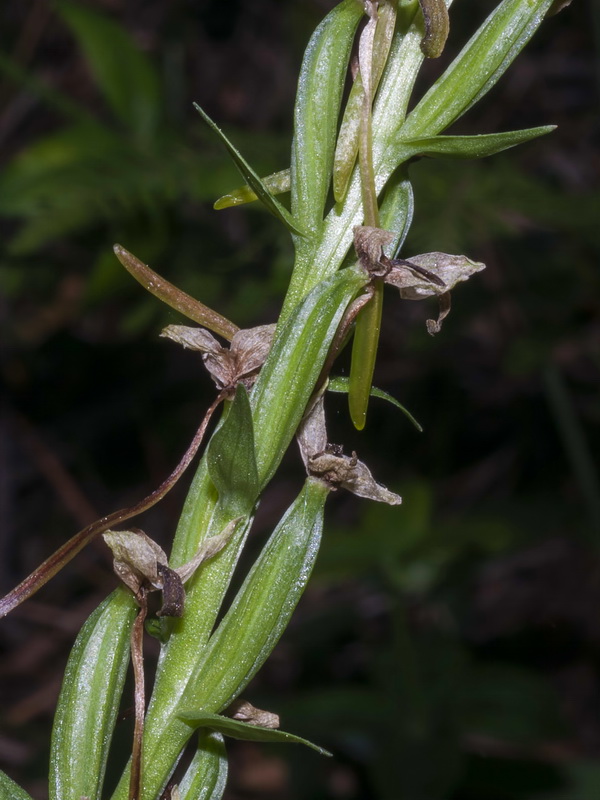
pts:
pixel 446 650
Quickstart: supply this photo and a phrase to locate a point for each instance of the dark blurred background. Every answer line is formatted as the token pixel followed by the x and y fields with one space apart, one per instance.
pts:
pixel 447 650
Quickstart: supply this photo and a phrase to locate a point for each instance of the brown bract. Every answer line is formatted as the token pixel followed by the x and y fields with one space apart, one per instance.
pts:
pixel 228 366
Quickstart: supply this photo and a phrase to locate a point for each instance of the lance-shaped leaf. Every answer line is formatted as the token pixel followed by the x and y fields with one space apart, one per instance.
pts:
pixel 89 700
pixel 340 383
pixel 9 790
pixel 316 112
pixel 478 146
pixel 231 457
pixel 483 60
pixel 277 183
pixel 263 606
pixel 252 178
pixel 227 365
pixel 294 364
pixel 206 776
pixel 244 731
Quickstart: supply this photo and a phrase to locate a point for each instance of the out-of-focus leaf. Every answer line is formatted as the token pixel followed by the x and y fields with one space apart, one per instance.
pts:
pixel 263 606
pixel 242 730
pixel 340 383
pixel 206 776
pixel 89 700
pixel 252 178
pixel 316 112
pixel 231 458
pixel 125 76
pixel 9 790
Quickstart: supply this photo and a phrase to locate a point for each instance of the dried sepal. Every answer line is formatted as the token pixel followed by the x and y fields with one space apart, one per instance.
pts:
pixel 143 566
pixel 244 711
pixel 369 242
pixel 327 461
pixel 429 274
pixel 227 365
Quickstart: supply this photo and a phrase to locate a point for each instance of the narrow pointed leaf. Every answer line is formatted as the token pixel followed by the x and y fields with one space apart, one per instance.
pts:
pixel 277 183
pixel 316 112
pixel 341 384
pixel 89 700
pixel 206 776
pixel 247 733
pixel 9 790
pixel 252 178
pixel 478 146
pixel 231 459
pixel 263 606
pixel 475 70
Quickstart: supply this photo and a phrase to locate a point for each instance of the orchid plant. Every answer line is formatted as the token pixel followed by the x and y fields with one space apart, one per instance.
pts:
pixel 349 212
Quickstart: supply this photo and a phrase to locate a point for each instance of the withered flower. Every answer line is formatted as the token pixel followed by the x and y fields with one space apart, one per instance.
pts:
pixel 227 365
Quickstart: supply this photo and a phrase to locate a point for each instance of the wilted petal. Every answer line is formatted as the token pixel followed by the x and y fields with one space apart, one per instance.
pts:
pixel 436 274
pixel 246 712
pixel 192 338
pixel 251 348
pixel 136 558
pixel 369 243
pixel 351 474
pixel 312 433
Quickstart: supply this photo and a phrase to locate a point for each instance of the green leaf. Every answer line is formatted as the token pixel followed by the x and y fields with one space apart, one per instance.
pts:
pixel 316 112
pixel 89 700
pixel 9 790
pixel 277 183
pixel 478 146
pixel 475 70
pixel 251 177
pixel 206 776
pixel 341 384
pixel 231 459
pixel 125 76
pixel 397 207
pixel 247 733
pixel 263 606
pixel 294 364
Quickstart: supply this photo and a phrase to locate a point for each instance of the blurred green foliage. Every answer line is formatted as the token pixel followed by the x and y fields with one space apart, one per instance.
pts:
pixel 460 631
